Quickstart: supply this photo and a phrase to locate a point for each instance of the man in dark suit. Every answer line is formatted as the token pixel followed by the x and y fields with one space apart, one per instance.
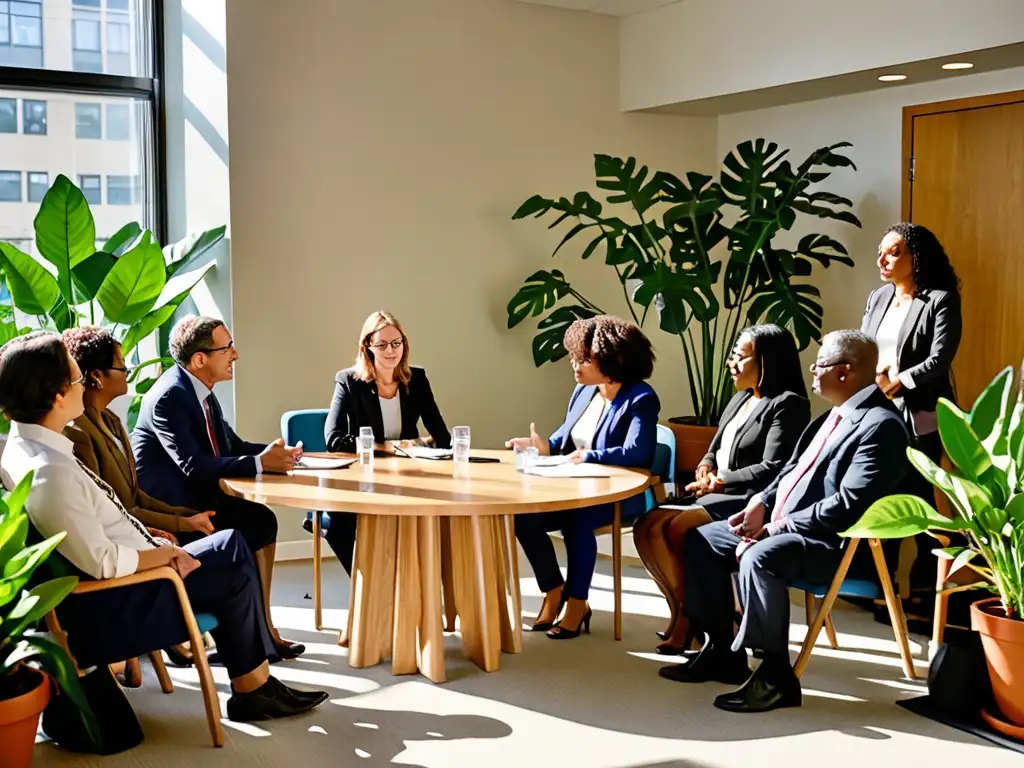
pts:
pixel 183 447
pixel 845 460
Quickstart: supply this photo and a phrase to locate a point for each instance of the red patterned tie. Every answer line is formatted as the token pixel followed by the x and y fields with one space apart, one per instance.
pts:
pixel 807 460
pixel 209 427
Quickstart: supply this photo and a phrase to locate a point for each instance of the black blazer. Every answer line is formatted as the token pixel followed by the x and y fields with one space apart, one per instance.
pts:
pixel 173 455
pixel 355 404
pixel 927 345
pixel 865 460
pixel 763 443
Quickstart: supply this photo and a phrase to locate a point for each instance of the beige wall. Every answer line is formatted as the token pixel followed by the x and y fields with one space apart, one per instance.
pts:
pixel 378 151
pixel 873 123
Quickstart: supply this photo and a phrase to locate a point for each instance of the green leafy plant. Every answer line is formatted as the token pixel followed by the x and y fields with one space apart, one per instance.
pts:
pixel 129 284
pixel 986 490
pixel 664 256
pixel 22 609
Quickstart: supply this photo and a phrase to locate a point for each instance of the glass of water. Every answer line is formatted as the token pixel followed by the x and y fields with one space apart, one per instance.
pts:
pixel 526 456
pixel 364 447
pixel 460 444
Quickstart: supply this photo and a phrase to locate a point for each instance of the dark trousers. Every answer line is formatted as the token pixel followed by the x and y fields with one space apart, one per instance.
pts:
pixel 256 523
pixel 577 527
pixel 118 624
pixel 341 536
pixel 765 571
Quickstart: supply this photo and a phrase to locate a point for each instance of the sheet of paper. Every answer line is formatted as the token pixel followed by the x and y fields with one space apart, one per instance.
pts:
pixel 315 462
pixel 425 452
pixel 569 470
pixel 550 461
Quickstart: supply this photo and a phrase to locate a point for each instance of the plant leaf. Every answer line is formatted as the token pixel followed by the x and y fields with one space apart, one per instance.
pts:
pixel 539 293
pixel 88 276
pixel 165 307
pixel 134 284
pixel 189 252
pixel 547 344
pixel 123 239
pixel 36 603
pixel 54 660
pixel 900 516
pixel 991 411
pixel 962 559
pixel 33 289
pixel 960 442
pixel 65 231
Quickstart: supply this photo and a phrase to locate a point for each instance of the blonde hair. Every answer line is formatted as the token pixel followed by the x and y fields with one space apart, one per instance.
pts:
pixel 365 368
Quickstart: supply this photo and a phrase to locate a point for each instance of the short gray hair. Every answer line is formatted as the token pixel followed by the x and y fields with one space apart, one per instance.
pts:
pixel 190 335
pixel 855 348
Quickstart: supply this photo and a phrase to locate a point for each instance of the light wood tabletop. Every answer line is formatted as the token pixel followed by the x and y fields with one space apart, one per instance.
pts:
pixel 427 529
pixel 403 486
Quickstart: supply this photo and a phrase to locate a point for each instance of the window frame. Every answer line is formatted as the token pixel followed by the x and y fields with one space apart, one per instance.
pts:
pixel 149 91
pixel 28 185
pixel 21 185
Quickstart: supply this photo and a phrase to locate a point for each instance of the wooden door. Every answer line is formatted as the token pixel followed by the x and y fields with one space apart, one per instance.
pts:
pixel 964 180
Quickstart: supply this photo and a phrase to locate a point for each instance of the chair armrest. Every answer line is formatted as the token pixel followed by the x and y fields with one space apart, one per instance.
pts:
pixel 153 574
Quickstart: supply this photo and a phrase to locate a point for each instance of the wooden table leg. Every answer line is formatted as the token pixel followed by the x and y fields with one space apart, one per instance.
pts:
pixel 509 598
pixel 318 616
pixel 447 580
pixel 371 605
pixel 476 588
pixel 430 650
pixel 407 599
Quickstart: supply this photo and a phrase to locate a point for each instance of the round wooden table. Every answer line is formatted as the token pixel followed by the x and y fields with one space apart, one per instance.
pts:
pixel 431 527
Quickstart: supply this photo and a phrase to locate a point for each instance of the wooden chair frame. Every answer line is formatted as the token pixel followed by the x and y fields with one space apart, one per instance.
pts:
pixel 892 601
pixel 209 689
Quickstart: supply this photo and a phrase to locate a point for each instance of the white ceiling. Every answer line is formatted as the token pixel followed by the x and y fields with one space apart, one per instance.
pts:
pixel 609 7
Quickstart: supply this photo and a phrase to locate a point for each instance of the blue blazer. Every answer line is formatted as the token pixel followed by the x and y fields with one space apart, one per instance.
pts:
pixel 172 449
pixel 627 433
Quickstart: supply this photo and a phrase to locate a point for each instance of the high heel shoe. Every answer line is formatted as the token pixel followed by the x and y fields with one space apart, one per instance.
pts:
pixel 544 626
pixel 569 634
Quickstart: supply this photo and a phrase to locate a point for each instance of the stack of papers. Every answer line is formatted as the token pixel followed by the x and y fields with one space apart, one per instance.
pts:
pixel 424 452
pixel 566 469
pixel 314 462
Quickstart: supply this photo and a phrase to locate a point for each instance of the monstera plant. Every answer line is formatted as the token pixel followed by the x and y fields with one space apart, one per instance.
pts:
pixel 128 284
pixel 664 255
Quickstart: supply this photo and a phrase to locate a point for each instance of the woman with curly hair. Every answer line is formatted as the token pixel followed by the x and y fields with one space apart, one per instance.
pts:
pixel 612 419
pixel 915 319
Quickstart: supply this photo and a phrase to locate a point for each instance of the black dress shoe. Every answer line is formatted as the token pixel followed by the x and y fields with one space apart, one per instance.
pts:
pixel 286 652
pixel 709 664
pixel 761 694
pixel 268 702
pixel 177 658
pixel 319 697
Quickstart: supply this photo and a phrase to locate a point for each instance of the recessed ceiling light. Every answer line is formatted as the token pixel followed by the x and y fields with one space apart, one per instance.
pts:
pixel 891 78
pixel 958 65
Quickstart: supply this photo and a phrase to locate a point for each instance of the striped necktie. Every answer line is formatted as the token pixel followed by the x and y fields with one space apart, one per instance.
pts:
pixel 103 486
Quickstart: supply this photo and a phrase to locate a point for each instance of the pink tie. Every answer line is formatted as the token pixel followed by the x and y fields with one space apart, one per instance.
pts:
pixel 807 460
pixel 209 427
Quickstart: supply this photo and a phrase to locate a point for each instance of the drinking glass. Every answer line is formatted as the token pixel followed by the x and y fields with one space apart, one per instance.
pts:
pixel 460 445
pixel 526 456
pixel 364 447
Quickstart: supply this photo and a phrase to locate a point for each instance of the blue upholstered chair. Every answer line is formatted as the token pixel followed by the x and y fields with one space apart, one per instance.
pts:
pixel 308 426
pixel 664 468
pixel 853 587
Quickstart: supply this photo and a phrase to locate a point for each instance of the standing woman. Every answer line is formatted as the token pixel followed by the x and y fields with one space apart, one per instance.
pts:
pixel 384 392
pixel 915 319
pixel 759 429
pixel 612 419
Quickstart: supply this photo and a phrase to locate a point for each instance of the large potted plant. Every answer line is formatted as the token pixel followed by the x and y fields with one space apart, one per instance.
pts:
pixel 26 655
pixel 129 283
pixel 986 491
pixel 678 253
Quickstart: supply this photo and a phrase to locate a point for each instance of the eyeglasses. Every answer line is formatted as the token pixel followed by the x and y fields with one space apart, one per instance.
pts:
pixel 212 350
pixel 79 380
pixel 816 366
pixel 382 345
pixel 122 369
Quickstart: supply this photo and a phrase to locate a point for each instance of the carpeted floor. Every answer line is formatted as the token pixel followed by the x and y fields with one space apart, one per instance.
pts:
pixel 589 702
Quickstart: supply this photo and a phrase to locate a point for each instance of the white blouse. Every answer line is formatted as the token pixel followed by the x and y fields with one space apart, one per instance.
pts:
pixel 583 431
pixel 391 414
pixel 888 336
pixel 729 432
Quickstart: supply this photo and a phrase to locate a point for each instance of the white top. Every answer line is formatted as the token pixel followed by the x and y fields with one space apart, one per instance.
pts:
pixel 100 541
pixel 203 392
pixel 729 432
pixel 391 413
pixel 583 431
pixel 888 337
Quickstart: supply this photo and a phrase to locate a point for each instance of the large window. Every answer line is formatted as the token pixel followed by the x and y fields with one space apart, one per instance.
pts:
pixel 91 79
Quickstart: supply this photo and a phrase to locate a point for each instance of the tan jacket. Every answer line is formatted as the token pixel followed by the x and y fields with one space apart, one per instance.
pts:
pixel 102 444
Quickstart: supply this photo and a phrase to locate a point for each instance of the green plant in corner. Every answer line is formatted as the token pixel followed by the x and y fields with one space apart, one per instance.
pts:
pixel 663 256
pixel 986 490
pixel 21 647
pixel 129 283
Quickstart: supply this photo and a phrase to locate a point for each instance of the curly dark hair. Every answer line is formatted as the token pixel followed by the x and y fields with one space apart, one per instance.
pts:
pixel 93 349
pixel 777 356
pixel 621 350
pixel 34 369
pixel 932 268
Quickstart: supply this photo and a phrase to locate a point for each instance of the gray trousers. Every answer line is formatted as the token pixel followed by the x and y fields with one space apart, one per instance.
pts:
pixel 765 570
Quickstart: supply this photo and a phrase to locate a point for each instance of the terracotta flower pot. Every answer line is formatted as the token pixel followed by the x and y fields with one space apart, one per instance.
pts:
pixel 1003 641
pixel 692 443
pixel 19 718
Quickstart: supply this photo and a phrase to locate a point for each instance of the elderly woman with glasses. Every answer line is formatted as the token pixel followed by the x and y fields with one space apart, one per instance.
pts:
pixel 383 392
